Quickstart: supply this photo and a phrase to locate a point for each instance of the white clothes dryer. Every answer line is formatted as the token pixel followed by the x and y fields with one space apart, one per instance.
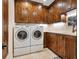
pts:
pixel 36 38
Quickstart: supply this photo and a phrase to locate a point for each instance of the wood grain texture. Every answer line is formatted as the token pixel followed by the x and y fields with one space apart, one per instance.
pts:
pixel 71 47
pixel 5 27
pixel 45 15
pixel 62 45
pixel 30 13
pixel 51 14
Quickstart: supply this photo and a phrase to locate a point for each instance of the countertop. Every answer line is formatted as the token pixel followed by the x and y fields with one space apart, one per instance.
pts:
pixel 60 28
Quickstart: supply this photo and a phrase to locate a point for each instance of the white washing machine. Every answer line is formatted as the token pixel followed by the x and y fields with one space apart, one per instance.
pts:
pixel 36 38
pixel 21 40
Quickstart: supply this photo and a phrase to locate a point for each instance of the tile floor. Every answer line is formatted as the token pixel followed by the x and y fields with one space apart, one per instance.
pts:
pixel 44 54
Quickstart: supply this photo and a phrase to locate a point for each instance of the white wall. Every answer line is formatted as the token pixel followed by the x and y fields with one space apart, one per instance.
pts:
pixel 10 28
pixel 72 13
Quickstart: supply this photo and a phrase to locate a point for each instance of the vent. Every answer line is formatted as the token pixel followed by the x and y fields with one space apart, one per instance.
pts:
pixel 44 2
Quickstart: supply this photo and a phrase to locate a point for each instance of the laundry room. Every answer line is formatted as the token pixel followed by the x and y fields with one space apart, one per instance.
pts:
pixel 39 29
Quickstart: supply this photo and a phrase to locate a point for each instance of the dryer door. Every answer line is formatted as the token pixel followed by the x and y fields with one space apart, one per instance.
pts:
pixel 22 38
pixel 37 34
pixel 22 35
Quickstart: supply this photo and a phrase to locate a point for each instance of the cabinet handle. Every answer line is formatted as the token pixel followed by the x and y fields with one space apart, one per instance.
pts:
pixel 3 46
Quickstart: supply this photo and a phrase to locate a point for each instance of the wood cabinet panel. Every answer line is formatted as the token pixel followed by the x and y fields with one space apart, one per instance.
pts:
pixel 62 45
pixel 53 42
pixel 32 13
pixel 27 12
pixel 70 47
pixel 4 27
pixel 73 4
pixel 68 5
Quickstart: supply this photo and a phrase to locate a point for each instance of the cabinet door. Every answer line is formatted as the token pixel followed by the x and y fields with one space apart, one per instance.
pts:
pixel 21 12
pixel 70 47
pixel 56 43
pixel 68 7
pixel 26 12
pixel 73 4
pixel 52 42
pixel 5 27
pixel 61 46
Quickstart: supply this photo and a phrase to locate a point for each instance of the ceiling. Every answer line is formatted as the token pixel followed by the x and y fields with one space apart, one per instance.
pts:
pixel 44 2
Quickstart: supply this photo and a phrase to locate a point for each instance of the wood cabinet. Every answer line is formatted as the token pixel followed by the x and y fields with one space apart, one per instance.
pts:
pixel 63 45
pixel 5 27
pixel 69 5
pixel 71 47
pixel 31 12
pixel 27 12
pixel 52 18
pixel 73 4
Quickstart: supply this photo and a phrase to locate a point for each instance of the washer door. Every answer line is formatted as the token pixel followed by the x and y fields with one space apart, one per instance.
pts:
pixel 37 34
pixel 22 34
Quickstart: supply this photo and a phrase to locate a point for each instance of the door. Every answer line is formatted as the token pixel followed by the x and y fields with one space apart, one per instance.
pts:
pixel 71 48
pixel 5 28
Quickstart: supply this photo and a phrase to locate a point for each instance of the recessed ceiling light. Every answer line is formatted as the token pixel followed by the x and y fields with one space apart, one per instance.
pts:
pixel 60 5
pixel 27 4
pixel 39 7
pixel 24 12
pixel 34 13
pixel 44 0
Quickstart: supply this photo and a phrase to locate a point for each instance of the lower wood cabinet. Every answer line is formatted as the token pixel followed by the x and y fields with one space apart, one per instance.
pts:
pixel 63 45
pixel 71 47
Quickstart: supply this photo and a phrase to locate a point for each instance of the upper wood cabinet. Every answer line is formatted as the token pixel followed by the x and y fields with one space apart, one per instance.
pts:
pixel 30 12
pixel 5 27
pixel 27 12
pixel 69 4
pixel 73 4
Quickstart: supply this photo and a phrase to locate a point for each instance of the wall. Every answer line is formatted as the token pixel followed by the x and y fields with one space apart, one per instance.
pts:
pixel 60 27
pixel 10 28
pixel 71 13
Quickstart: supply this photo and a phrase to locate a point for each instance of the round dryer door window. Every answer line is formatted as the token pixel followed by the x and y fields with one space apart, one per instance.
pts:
pixel 37 34
pixel 22 35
